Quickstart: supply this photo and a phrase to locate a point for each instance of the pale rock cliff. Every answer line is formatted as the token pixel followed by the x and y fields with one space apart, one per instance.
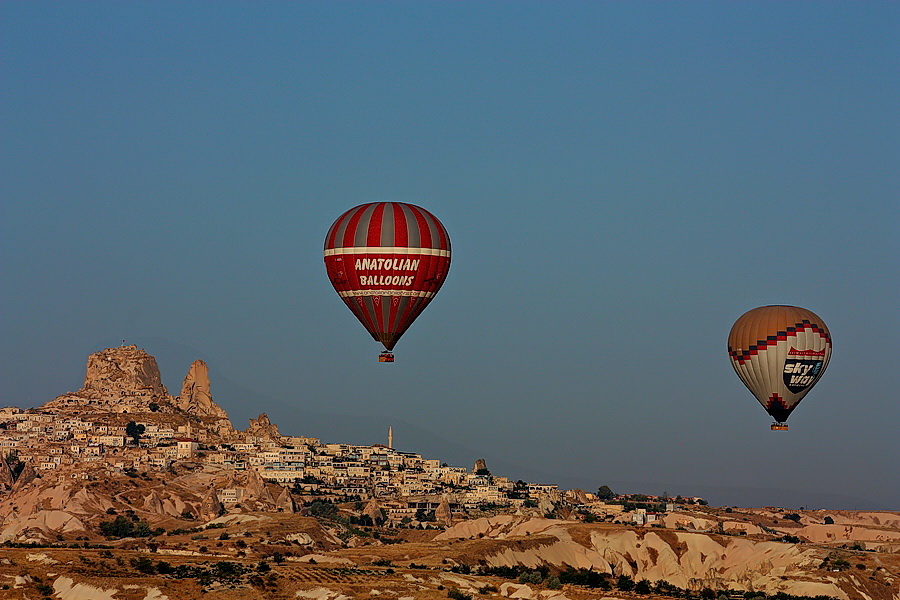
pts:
pixel 123 370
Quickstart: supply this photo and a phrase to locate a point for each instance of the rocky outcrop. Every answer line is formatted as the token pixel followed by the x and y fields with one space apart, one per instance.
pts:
pixel 195 397
pixel 6 474
pixel 263 429
pixel 285 502
pixel 577 496
pixel 27 475
pixel 153 503
pixel 266 496
pixel 480 465
pixel 256 485
pixel 210 508
pixel 373 510
pixel 442 513
pixel 688 560
pixel 124 370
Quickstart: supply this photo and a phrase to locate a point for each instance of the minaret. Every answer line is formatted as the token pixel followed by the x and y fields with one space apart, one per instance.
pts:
pixel 390 436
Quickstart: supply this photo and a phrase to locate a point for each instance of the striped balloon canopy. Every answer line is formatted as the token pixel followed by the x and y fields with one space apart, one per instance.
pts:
pixel 779 352
pixel 387 260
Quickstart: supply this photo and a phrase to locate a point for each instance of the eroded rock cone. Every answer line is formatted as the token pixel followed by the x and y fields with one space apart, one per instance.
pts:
pixel 6 475
pixel 373 510
pixel 442 513
pixel 285 502
pixel 266 496
pixel 153 503
pixel 27 475
pixel 256 486
pixel 210 508
pixel 195 397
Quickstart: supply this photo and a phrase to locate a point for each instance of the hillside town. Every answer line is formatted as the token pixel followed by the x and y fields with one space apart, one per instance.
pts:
pixel 124 421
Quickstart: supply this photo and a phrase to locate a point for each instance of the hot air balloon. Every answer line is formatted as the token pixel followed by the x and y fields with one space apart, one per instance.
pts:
pixel 779 352
pixel 387 260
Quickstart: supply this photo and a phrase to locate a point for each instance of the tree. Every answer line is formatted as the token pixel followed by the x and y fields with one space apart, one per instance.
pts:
pixel 625 583
pixel 134 431
pixel 422 515
pixel 604 493
pixel 153 406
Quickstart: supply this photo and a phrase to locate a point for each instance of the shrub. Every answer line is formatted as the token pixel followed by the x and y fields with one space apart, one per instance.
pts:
pixel 624 583
pixel 124 527
pixel 144 565
pixel 531 577
pixel 458 595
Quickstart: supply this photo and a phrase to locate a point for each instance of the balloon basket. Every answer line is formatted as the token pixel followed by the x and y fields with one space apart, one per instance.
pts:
pixel 779 426
pixel 386 357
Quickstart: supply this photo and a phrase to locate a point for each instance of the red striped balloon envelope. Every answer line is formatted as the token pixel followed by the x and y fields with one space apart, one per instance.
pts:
pixel 779 352
pixel 387 260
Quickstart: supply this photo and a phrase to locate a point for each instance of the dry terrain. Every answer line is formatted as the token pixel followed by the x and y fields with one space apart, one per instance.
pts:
pixel 266 555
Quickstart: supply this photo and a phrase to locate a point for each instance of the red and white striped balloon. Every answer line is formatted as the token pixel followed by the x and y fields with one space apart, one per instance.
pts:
pixel 387 260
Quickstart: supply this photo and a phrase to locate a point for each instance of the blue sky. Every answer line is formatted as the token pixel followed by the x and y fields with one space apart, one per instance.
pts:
pixel 620 181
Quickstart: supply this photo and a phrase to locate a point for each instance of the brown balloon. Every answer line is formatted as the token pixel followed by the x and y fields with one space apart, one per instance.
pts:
pixel 780 353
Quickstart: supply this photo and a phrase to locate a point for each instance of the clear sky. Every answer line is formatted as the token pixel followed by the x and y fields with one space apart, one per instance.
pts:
pixel 620 180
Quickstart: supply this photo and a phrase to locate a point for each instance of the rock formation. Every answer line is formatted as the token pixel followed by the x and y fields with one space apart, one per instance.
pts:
pixel 262 428
pixel 25 477
pixel 6 474
pixel 285 502
pixel 480 465
pixel 442 513
pixel 266 496
pixel 153 503
pixel 545 505
pixel 255 483
pixel 210 508
pixel 373 511
pixel 195 397
pixel 123 370
pixel 577 496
